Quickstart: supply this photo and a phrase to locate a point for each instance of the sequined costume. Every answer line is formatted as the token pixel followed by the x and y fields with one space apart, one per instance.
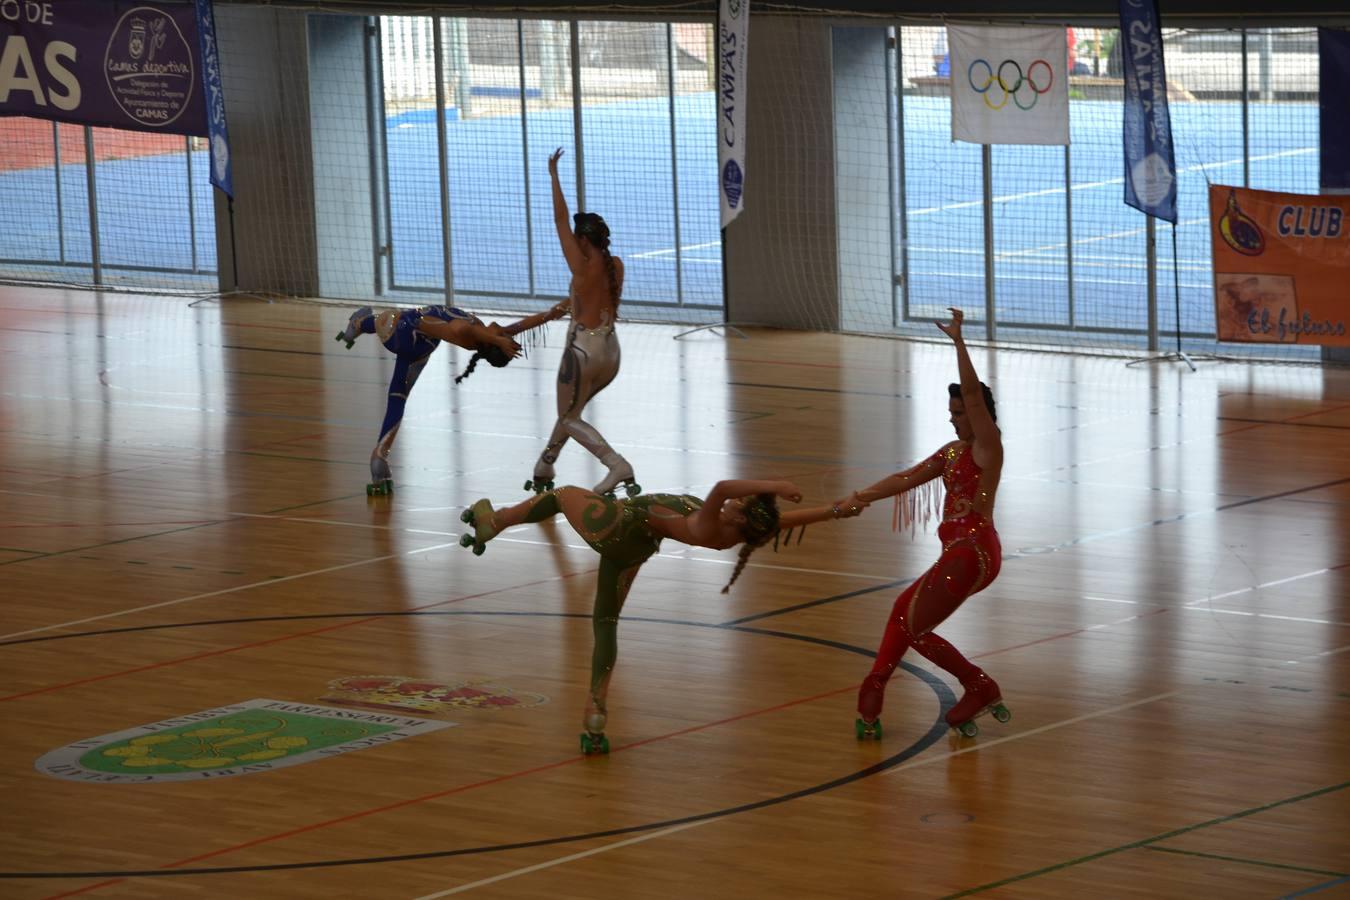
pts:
pixel 397 330
pixel 970 560
pixel 590 361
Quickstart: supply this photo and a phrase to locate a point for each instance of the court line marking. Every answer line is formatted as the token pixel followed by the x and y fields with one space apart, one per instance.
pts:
pixel 280 639
pixel 1315 888
pixel 1238 859
pixel 1134 845
pixel 985 744
pixel 560 861
pixel 242 587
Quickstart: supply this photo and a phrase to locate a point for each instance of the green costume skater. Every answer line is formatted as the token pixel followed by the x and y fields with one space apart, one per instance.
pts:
pixel 620 532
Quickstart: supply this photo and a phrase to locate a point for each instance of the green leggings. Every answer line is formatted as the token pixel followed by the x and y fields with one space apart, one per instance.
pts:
pixel 613 581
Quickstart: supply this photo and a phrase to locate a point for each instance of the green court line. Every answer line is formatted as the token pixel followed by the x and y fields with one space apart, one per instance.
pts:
pixel 1250 862
pixel 1146 841
pixel 23 550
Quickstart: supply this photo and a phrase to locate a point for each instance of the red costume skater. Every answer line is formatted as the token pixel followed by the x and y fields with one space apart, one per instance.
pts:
pixel 970 560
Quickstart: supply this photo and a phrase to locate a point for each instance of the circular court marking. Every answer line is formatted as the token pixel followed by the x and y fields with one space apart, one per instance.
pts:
pixel 944 694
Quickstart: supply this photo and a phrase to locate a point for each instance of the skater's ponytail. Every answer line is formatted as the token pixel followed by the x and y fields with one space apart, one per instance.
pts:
pixel 495 356
pixel 761 523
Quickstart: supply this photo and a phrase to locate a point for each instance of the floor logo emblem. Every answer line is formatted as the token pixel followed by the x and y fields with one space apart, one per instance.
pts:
pixel 239 739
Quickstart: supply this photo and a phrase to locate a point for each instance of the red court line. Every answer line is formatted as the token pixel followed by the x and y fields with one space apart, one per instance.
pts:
pixel 287 637
pixel 574 760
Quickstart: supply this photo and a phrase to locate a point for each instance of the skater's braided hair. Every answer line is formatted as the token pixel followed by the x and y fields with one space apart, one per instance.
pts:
pixel 593 228
pixel 761 523
pixel 955 391
pixel 495 356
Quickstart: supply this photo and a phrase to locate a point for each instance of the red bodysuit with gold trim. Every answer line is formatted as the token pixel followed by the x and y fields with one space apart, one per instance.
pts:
pixel 970 560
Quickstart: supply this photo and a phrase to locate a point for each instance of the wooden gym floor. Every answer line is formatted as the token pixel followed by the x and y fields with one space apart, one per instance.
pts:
pixel 185 527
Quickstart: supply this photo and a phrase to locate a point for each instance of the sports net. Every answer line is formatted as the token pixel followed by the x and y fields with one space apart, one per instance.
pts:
pixel 401 160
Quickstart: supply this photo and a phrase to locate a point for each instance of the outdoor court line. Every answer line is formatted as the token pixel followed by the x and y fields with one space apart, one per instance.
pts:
pixel 1087 185
pixel 242 587
pixel 565 859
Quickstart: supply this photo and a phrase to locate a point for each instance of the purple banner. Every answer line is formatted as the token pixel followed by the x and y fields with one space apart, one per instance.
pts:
pixel 103 62
pixel 1333 53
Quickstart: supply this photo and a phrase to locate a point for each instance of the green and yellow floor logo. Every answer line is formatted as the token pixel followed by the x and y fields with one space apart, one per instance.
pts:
pixel 240 739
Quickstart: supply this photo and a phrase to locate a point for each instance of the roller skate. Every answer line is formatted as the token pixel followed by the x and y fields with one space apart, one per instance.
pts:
pixel 981 696
pixel 593 740
pixel 381 478
pixel 353 331
pixel 867 730
pixel 870 697
pixel 620 472
pixel 542 482
pixel 479 518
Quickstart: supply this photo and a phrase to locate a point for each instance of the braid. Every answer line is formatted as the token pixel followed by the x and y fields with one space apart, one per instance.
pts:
pixel 613 276
pixel 468 370
pixel 742 558
pixel 761 515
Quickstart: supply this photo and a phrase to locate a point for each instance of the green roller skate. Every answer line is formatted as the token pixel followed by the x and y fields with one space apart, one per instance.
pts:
pixel 381 478
pixel 479 518
pixel 981 696
pixel 542 482
pixel 866 730
pixel 353 331
pixel 594 744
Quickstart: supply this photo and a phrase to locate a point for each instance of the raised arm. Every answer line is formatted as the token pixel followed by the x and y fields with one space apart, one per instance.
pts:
pixel 987 436
pixel 562 219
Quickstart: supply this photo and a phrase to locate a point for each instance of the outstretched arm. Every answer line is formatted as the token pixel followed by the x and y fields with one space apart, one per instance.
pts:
pixel 986 431
pixel 534 321
pixel 562 220
pixel 898 483
pixel 844 509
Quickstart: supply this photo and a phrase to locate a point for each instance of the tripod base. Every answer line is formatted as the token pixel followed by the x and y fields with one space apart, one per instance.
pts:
pixel 731 329
pixel 1177 356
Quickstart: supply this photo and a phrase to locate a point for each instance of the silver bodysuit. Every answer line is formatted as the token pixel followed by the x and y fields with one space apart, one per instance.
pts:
pixel 589 363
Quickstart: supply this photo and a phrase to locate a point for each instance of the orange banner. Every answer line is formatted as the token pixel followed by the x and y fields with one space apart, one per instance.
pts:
pixel 1281 266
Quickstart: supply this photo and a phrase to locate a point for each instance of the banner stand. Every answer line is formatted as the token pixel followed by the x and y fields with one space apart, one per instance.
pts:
pixel 1177 355
pixel 712 326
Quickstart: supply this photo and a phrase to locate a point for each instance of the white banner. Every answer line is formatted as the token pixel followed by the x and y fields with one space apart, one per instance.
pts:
pixel 733 30
pixel 1009 84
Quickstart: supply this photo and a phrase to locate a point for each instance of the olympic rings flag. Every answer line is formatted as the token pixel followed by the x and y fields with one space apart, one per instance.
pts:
pixel 1009 84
